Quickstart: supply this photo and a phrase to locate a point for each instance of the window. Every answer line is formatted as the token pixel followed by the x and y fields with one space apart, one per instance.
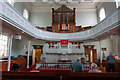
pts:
pixel 3 45
pixel 102 14
pixel 11 2
pixel 117 3
pixel 25 14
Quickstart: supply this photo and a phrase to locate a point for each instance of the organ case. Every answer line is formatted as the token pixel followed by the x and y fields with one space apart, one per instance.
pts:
pixel 63 20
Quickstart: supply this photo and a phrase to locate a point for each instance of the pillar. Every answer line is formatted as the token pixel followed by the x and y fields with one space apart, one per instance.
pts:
pixel 28 54
pixel 10 49
pixel 100 52
pixel 33 57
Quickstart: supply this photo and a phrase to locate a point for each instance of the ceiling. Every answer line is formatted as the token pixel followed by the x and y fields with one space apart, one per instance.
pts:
pixel 73 5
pixel 48 4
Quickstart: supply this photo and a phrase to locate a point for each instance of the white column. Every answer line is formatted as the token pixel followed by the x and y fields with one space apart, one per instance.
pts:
pixel 33 57
pixel 91 56
pixel 10 49
pixel 28 54
pixel 100 53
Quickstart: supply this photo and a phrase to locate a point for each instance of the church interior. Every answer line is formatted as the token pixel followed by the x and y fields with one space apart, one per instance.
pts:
pixel 41 39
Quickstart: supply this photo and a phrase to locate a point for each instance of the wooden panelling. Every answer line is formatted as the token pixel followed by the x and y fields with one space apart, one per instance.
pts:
pixel 21 62
pixel 117 65
pixel 88 49
pixel 63 16
pixel 3 66
pixel 37 46
pixel 37 51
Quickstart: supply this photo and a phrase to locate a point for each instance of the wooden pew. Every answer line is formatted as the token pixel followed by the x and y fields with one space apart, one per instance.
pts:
pixel 3 66
pixel 58 76
pixel 91 76
pixel 21 62
pixel 117 65
pixel 29 76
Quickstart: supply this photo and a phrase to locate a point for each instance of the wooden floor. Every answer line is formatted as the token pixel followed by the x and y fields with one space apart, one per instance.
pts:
pixel 59 76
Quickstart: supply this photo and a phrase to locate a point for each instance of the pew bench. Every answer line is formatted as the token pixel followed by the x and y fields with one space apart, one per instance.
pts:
pixel 59 76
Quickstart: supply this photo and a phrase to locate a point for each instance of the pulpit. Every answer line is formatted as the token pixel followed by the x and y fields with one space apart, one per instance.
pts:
pixel 65 61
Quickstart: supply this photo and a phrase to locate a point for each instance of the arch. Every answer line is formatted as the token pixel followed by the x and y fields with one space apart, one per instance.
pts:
pixel 11 2
pixel 117 3
pixel 102 14
pixel 25 14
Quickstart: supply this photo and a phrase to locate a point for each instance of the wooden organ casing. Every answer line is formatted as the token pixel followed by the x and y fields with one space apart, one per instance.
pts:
pixel 63 20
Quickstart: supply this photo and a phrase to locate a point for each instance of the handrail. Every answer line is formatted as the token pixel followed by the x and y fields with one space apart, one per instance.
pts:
pixel 60 66
pixel 12 16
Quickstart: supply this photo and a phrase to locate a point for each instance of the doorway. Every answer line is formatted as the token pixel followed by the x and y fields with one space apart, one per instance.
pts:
pixel 36 56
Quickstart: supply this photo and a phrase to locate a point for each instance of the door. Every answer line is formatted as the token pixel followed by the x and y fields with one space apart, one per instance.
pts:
pixel 38 55
pixel 92 55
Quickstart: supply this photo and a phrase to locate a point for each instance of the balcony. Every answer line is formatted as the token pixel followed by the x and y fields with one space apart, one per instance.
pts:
pixel 10 15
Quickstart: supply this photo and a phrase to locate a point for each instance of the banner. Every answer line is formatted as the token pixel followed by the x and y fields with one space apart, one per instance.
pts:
pixel 64 42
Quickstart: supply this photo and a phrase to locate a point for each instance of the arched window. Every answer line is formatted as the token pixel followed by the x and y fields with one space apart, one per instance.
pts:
pixel 11 2
pixel 102 14
pixel 117 3
pixel 25 14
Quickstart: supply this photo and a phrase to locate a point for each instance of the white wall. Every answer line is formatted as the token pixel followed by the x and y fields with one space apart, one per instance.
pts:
pixel 109 44
pixel 18 46
pixel 43 19
pixel 70 49
pixel 20 6
pixel 86 18
pixel 55 58
pixel 18 49
pixel 115 45
pixel 106 43
pixel 109 7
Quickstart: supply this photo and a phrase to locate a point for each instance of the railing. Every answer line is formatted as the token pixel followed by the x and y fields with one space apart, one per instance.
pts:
pixel 77 29
pixel 13 17
pixel 63 67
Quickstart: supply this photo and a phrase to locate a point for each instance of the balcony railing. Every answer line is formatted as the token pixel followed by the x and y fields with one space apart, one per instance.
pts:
pixel 57 67
pixel 13 17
